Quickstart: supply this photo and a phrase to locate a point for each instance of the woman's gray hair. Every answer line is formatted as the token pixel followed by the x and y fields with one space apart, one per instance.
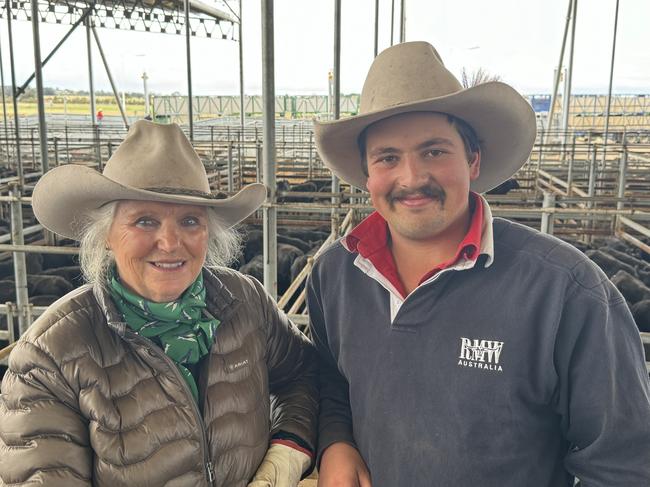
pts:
pixel 224 244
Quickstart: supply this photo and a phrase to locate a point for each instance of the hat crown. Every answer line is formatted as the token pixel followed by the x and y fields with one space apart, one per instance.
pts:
pixel 157 156
pixel 406 73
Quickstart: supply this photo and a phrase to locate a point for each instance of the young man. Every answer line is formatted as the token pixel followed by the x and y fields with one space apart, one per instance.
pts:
pixel 460 349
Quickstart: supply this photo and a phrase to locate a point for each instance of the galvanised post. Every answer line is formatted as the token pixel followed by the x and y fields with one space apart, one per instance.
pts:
pixel 20 266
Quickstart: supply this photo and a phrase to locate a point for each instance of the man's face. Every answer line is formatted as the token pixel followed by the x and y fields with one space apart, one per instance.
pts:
pixel 419 175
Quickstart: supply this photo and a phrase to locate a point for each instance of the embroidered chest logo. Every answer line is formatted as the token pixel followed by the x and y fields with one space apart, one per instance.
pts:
pixel 480 354
pixel 238 365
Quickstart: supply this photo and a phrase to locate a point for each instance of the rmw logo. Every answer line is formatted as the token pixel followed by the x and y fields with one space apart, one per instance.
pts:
pixel 481 354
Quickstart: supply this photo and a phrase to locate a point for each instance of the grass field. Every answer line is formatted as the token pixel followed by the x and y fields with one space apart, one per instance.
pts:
pixel 77 105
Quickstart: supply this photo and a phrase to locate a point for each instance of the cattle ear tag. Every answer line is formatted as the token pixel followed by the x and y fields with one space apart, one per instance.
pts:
pixel 238 365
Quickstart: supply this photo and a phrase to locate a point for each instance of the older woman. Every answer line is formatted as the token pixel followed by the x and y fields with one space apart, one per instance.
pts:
pixel 167 369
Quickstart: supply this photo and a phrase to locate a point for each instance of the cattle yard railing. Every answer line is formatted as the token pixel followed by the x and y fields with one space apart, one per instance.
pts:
pixel 573 185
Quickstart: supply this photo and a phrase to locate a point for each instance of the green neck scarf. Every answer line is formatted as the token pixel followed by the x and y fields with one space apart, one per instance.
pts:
pixel 183 328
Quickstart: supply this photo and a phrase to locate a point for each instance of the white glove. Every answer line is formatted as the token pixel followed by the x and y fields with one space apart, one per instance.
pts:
pixel 282 467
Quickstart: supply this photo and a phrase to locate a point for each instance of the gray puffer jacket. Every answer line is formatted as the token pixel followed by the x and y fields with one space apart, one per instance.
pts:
pixel 88 402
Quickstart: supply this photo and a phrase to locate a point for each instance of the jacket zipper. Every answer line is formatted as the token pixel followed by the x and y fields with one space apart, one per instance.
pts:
pixel 151 347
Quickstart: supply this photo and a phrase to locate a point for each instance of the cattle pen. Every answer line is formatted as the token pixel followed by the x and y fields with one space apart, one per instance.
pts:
pixel 576 185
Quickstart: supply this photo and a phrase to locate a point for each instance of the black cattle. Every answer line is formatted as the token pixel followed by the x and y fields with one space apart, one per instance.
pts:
pixel 33 263
pixel 306 187
pixel 51 261
pixel 608 243
pixel 287 254
pixel 638 264
pixel 296 242
pixel 641 313
pixel 632 289
pixel 40 285
pixel 37 285
pixel 505 187
pixel 610 265
pixel 7 291
pixel 310 236
pixel 44 300
pixel 72 274
pixel 253 245
pixel 254 267
pixel 301 262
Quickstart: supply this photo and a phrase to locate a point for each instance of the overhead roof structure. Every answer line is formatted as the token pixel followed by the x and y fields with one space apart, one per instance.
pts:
pixel 161 16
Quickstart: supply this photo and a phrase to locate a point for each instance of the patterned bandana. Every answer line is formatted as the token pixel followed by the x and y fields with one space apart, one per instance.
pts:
pixel 183 328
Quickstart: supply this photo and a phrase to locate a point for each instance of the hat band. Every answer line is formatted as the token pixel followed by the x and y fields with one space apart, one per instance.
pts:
pixel 188 192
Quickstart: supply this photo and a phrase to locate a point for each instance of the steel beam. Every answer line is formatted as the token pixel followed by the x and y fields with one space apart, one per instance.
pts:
pixel 611 79
pixel 4 106
pixel 336 107
pixel 19 160
pixel 110 78
pixel 38 73
pixel 556 84
pixel 20 266
pixel 188 60
pixel 242 106
pixel 270 229
pixel 91 82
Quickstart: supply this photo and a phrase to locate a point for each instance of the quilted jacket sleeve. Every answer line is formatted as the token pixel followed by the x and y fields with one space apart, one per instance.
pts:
pixel 291 362
pixel 43 438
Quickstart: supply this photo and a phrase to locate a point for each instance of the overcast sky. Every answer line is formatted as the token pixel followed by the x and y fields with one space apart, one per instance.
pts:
pixel 519 40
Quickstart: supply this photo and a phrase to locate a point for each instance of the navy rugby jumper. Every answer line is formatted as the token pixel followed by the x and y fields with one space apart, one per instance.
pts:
pixel 527 372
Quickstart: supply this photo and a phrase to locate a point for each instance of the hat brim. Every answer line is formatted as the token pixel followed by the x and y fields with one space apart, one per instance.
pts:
pixel 503 120
pixel 64 196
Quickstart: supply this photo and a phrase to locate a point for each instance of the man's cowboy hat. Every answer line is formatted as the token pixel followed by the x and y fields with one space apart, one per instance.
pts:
pixel 411 77
pixel 154 163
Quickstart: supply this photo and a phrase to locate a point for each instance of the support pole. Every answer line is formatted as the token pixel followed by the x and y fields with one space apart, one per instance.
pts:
pixel 110 78
pixel 558 72
pixel 569 178
pixel 376 26
pixel 569 74
pixel 242 106
pixel 147 111
pixel 38 73
pixel 547 218
pixel 190 109
pixel 609 91
pixel 336 185
pixel 392 21
pixel 19 160
pixel 268 95
pixel 230 176
pixel 591 190
pixel 93 120
pixel 402 22
pixel 4 107
pixel 622 178
pixel 20 266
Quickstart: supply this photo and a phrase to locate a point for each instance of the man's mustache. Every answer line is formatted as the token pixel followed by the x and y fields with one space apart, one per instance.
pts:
pixel 432 191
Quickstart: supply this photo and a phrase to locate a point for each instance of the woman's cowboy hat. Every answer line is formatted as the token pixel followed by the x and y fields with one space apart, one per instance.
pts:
pixel 411 77
pixel 154 163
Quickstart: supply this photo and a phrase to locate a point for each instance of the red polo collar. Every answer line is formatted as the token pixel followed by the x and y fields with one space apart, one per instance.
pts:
pixel 370 240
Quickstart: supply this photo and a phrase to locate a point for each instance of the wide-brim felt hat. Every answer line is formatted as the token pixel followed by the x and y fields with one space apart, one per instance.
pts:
pixel 155 162
pixel 411 77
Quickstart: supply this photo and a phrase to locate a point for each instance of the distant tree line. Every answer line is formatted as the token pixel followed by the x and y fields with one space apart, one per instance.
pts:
pixel 30 93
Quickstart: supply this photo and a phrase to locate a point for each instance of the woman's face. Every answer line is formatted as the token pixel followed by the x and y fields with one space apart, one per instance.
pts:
pixel 159 248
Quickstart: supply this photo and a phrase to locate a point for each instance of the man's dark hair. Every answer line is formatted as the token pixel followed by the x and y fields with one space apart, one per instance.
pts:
pixel 465 130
